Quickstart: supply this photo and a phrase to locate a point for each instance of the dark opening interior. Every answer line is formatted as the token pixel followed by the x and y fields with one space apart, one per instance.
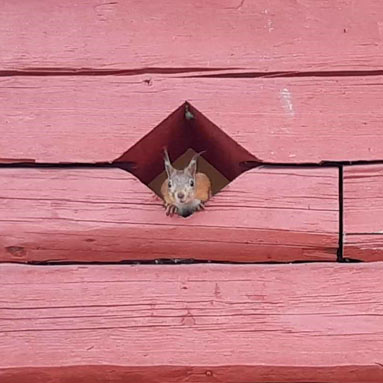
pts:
pixel 183 133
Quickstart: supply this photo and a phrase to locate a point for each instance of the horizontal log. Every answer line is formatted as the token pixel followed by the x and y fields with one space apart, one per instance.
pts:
pixel 363 212
pixel 95 119
pixel 196 323
pixel 108 215
pixel 260 36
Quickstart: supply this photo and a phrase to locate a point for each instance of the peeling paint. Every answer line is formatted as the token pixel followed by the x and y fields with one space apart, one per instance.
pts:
pixel 287 102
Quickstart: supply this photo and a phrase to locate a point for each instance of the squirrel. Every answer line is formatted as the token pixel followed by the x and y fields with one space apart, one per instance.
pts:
pixel 185 191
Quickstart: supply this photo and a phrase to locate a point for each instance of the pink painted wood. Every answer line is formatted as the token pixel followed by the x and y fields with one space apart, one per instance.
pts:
pixel 108 215
pixel 363 211
pixel 289 81
pixel 256 36
pixel 196 323
pixel 93 119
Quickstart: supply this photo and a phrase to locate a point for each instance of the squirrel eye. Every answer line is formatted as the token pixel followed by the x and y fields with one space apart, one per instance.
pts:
pixel 169 184
pixel 191 183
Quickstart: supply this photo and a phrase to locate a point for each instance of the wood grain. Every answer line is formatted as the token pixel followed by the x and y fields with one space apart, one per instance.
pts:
pixel 260 36
pixel 95 119
pixel 363 211
pixel 108 215
pixel 196 323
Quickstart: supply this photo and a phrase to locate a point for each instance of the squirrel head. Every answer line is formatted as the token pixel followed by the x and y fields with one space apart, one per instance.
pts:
pixel 181 183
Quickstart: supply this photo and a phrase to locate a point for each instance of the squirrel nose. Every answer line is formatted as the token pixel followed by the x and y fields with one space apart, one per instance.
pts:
pixel 180 195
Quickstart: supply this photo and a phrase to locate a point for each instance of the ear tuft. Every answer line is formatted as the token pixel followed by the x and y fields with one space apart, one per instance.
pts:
pixel 168 166
pixel 192 167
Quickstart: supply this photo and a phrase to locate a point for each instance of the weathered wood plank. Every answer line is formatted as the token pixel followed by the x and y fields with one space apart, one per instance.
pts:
pixel 108 215
pixel 266 35
pixel 363 212
pixel 92 119
pixel 201 374
pixel 196 323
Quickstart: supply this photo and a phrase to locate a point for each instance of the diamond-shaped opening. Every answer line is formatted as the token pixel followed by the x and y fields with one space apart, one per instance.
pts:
pixel 183 133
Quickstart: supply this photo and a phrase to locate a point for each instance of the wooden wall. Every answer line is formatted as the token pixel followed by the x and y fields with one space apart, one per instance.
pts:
pixel 292 85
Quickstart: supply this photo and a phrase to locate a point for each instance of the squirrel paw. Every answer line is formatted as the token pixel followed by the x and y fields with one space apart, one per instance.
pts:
pixel 200 206
pixel 170 209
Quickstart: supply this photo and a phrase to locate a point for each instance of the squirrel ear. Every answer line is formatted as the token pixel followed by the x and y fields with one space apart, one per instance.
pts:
pixel 192 167
pixel 168 166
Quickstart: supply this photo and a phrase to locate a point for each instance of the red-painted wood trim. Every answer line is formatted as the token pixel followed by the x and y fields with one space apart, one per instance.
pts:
pixel 250 36
pixel 95 119
pixel 109 215
pixel 196 323
pixel 363 211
